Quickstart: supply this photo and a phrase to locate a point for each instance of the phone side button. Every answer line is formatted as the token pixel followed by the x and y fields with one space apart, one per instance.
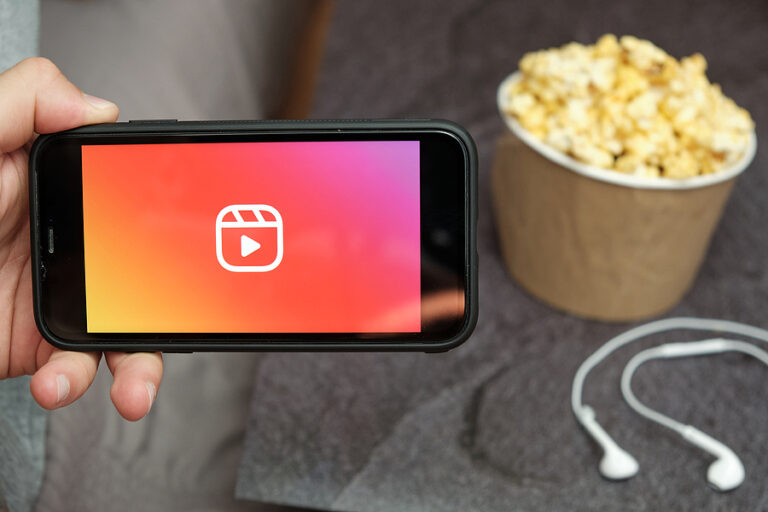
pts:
pixel 152 121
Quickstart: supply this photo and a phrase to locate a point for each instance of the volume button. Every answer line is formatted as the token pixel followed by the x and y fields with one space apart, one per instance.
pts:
pixel 153 121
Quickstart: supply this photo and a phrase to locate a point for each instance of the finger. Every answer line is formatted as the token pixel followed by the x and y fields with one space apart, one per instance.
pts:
pixel 64 378
pixel 137 379
pixel 36 97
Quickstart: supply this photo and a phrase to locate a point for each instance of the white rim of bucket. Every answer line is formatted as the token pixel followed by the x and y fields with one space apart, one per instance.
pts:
pixel 612 176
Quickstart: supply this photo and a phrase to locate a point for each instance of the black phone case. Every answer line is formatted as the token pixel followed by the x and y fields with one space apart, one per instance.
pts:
pixel 164 126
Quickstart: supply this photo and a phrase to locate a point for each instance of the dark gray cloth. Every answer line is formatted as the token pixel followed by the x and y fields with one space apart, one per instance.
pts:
pixel 22 421
pixel 488 426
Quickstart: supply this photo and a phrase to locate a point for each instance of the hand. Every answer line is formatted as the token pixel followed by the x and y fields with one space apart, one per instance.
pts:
pixel 35 97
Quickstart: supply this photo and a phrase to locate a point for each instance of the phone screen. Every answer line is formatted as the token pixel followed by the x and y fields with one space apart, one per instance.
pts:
pixel 240 237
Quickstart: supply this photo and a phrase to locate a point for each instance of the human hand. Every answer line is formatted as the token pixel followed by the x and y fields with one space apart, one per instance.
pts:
pixel 35 97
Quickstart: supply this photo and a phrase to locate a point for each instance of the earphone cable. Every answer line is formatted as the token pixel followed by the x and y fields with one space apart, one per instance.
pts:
pixel 675 350
pixel 667 324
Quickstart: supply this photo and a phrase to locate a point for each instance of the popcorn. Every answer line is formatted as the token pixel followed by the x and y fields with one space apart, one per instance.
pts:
pixel 625 104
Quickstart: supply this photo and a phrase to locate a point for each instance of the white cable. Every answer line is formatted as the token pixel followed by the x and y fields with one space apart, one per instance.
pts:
pixel 675 350
pixel 668 324
pixel 726 473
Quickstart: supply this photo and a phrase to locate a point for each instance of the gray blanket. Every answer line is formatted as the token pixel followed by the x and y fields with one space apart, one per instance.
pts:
pixel 488 426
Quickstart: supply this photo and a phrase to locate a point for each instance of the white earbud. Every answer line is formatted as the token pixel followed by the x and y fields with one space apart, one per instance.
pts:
pixel 616 463
pixel 726 472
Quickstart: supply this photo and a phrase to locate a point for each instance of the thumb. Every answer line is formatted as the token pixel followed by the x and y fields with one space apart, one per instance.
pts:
pixel 36 97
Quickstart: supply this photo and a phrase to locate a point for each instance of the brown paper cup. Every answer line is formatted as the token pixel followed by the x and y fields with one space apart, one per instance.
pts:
pixel 609 247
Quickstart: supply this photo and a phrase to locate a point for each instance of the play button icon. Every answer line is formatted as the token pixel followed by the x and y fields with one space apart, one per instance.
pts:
pixel 249 237
pixel 248 245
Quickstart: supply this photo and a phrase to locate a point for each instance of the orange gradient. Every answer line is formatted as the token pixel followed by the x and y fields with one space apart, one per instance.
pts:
pixel 350 214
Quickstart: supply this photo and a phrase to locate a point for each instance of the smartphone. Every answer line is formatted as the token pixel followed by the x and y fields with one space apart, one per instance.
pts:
pixel 255 235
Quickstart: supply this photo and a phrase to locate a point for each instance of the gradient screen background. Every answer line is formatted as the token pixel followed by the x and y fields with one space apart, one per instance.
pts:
pixel 351 237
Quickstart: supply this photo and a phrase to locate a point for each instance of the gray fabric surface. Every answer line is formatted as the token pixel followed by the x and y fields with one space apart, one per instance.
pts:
pixel 488 426
pixel 22 421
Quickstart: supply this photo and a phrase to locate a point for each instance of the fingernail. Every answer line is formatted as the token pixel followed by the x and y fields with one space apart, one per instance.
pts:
pixel 62 388
pixel 97 102
pixel 152 390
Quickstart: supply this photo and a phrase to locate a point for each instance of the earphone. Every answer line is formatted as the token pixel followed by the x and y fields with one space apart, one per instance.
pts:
pixel 727 472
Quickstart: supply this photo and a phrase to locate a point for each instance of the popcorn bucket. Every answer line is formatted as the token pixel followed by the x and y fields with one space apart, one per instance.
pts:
pixel 596 242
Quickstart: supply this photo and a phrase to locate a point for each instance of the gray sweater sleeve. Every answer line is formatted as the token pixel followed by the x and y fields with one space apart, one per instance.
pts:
pixel 22 421
pixel 22 445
